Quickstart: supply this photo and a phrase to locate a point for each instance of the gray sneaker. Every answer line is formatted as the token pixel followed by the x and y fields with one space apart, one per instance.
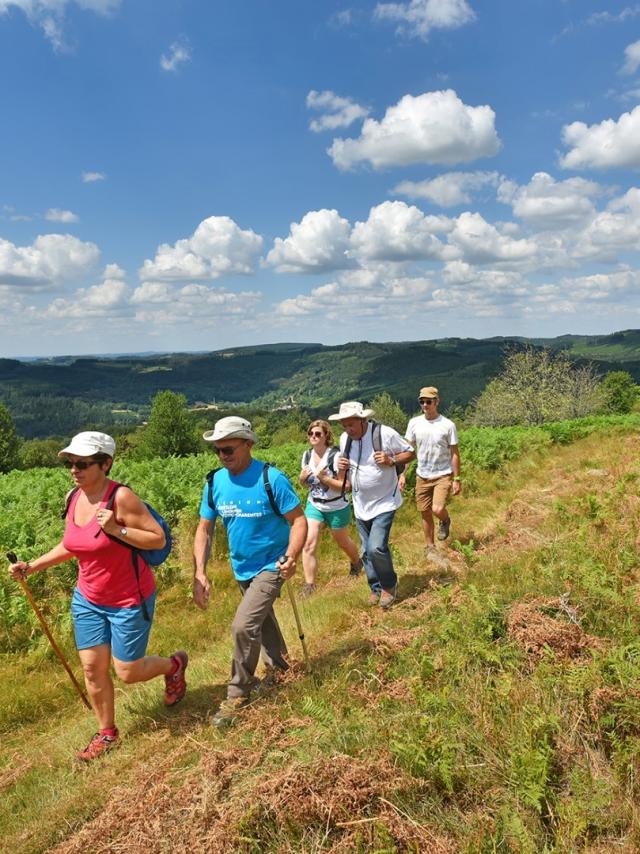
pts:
pixel 228 711
pixel 308 590
pixel 443 529
pixel 374 597
pixel 388 597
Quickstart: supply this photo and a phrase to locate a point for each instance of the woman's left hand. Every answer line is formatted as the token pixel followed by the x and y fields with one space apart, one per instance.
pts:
pixel 106 520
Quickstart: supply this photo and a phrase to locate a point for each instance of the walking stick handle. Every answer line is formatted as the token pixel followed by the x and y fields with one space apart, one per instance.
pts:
pixel 11 557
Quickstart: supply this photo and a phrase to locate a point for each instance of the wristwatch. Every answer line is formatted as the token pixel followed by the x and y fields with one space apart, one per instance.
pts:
pixel 123 532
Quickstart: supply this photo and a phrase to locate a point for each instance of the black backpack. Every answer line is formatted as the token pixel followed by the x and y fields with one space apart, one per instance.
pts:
pixel 265 480
pixel 376 441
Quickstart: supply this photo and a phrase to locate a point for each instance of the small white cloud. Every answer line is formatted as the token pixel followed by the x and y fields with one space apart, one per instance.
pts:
pixel 631 58
pixel 108 299
pixel 319 242
pixel 92 177
pixel 453 188
pixel 49 15
pixel 341 19
pixel 218 246
pixel 435 127
pixel 179 53
pixel 337 112
pixel 608 144
pixel 50 259
pixel 57 215
pixel 418 17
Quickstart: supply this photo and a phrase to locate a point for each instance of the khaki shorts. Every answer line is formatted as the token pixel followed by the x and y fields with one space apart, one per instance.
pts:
pixel 435 489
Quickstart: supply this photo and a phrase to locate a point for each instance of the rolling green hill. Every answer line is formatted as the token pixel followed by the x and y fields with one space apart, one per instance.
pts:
pixel 58 396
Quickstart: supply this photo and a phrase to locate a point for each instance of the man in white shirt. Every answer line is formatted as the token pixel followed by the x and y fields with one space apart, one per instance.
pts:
pixel 370 453
pixel 436 442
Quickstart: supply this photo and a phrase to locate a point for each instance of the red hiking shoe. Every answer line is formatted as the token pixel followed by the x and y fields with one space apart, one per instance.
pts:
pixel 175 686
pixel 99 744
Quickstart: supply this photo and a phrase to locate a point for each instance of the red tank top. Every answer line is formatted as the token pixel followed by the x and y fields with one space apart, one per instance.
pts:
pixel 106 573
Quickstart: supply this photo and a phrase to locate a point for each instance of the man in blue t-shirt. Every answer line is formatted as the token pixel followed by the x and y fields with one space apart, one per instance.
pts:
pixel 261 531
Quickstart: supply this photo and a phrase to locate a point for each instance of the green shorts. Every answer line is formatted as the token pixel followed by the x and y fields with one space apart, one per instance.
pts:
pixel 335 519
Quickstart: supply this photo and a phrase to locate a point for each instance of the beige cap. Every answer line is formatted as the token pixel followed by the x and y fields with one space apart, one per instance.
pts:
pixel 428 391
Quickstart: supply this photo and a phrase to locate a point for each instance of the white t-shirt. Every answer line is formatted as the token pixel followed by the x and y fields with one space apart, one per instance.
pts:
pixel 432 441
pixel 318 492
pixel 374 488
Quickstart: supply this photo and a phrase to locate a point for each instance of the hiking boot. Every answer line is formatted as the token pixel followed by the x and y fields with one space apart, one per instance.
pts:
pixel 99 744
pixel 308 590
pixel 374 597
pixel 443 528
pixel 355 569
pixel 388 597
pixel 175 686
pixel 228 711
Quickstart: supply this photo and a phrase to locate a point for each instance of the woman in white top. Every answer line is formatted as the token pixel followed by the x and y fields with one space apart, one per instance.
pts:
pixel 327 504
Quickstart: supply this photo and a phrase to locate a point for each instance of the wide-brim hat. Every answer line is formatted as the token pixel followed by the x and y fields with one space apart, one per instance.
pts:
pixel 89 443
pixel 232 427
pixel 351 409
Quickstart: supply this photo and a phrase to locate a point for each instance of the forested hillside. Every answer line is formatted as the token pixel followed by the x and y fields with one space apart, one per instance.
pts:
pixel 60 396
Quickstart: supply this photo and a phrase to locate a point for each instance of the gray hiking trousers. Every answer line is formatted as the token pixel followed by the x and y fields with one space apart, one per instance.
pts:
pixel 255 630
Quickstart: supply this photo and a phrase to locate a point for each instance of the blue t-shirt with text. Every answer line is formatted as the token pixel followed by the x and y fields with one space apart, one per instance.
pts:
pixel 257 537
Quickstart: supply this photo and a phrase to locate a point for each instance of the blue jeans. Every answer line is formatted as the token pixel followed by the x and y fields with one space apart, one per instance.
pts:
pixel 378 565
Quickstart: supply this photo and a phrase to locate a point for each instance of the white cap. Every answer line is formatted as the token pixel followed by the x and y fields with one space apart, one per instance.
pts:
pixel 351 409
pixel 89 443
pixel 232 427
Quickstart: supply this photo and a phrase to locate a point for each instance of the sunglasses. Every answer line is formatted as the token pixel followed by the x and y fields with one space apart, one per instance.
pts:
pixel 227 451
pixel 427 399
pixel 317 433
pixel 81 465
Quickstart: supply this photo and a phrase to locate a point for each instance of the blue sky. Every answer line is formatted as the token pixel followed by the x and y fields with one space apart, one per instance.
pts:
pixel 196 174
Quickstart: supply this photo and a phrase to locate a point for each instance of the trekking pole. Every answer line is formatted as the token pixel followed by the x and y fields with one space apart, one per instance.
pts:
pixel 283 559
pixel 11 557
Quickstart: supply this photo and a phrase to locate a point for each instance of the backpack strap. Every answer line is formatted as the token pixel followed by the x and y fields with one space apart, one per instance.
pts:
pixel 210 476
pixel 347 454
pixel 67 502
pixel 269 489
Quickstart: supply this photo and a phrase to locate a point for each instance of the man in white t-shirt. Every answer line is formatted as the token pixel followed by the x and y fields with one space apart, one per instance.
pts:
pixel 370 453
pixel 436 442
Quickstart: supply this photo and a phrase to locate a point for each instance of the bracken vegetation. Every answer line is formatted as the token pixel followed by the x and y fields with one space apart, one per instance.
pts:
pixel 495 708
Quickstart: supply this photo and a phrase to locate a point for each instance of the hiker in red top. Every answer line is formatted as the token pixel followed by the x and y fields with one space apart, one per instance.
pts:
pixel 112 606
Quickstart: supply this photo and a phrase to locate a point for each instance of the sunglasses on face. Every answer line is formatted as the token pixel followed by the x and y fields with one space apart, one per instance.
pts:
pixel 316 433
pixel 227 451
pixel 427 399
pixel 81 465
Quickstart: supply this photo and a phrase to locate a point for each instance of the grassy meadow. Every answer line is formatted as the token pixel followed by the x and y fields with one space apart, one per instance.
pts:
pixel 495 708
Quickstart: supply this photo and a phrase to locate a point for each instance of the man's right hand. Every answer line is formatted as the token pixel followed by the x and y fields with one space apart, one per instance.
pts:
pixel 201 590
pixel 343 464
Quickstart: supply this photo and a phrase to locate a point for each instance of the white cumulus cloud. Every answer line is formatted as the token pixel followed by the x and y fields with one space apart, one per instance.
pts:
pixel 179 53
pixel 608 144
pixel 418 17
pixel 50 259
pixel 435 127
pixel 480 242
pixel 631 58
pixel 546 203
pixel 396 231
pixel 92 177
pixel 108 299
pixel 57 215
pixel 452 188
pixel 317 243
pixel 336 111
pixel 217 247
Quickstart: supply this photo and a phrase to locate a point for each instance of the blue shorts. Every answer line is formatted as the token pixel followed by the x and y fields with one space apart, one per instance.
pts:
pixel 335 519
pixel 124 629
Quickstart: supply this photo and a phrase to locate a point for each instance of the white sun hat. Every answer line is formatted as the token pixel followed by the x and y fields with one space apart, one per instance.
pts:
pixel 232 427
pixel 351 409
